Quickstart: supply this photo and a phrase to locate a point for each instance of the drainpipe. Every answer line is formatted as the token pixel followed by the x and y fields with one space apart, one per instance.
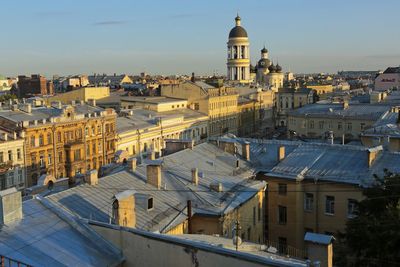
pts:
pixel 189 211
pixel 316 205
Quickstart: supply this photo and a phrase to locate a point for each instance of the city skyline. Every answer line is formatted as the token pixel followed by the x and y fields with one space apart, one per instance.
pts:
pixel 178 38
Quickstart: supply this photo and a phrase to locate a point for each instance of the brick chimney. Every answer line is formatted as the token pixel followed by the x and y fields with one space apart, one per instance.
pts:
pixel 10 206
pixel 195 176
pixel 153 173
pixel 124 212
pixel 132 163
pixel 246 151
pixel 91 177
pixel 92 102
pixel 281 153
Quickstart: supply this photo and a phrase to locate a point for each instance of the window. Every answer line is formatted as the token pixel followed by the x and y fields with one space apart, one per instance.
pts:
pixel 20 176
pixel 330 205
pixel 311 124
pixel 362 126
pixel 99 147
pixel 282 214
pixel 248 233
pixel 41 161
pixel 86 131
pixel 87 149
pixel 349 126
pixel 150 203
pixel 60 157
pixel 49 141
pixel 352 208
pixel 41 143
pixel 282 245
pixel 1 157
pixel 330 125
pixel 282 189
pixel 93 130
pixel 49 159
pixel 59 137
pixel 33 141
pixel 308 201
pixel 77 154
pixel 10 155
pixel 33 160
pixel 339 126
pixel 98 129
pixel 19 155
pixel 321 124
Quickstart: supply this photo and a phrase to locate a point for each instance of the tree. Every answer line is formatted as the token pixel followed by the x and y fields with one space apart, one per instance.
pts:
pixel 372 238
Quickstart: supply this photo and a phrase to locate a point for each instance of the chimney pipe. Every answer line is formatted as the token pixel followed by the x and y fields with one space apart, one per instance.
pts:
pixel 91 177
pixel 132 163
pixel 192 79
pixel 281 153
pixel 246 151
pixel 10 206
pixel 195 176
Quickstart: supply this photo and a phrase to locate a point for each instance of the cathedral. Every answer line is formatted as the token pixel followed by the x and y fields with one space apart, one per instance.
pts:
pixel 238 64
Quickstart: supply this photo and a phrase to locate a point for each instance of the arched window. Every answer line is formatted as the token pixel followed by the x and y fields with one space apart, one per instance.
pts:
pixel 41 143
pixel 49 139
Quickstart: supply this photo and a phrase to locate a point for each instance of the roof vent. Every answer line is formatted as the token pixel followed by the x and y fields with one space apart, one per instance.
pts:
pixel 10 205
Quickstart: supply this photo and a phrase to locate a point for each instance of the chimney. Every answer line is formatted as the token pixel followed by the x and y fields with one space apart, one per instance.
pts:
pixel 345 104
pixel 26 108
pixel 92 102
pixel 91 177
pixel 281 153
pixel 372 154
pixel 132 163
pixel 15 135
pixel 152 155
pixel 124 213
pixel 5 136
pixel 319 249
pixel 153 173
pixel 10 206
pixel 246 151
pixel 192 79
pixel 217 187
pixel 195 176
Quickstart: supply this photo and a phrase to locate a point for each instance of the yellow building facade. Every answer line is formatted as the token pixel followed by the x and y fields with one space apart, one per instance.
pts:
pixel 82 94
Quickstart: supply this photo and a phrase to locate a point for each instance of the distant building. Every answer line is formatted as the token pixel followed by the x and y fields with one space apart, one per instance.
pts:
pixel 388 80
pixel 113 81
pixel 12 161
pixel 220 104
pixel 80 94
pixel 142 131
pixel 4 84
pixel 34 85
pixel 344 120
pixel 61 140
pixel 320 87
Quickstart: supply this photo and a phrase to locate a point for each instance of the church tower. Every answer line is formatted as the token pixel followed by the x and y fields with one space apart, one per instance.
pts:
pixel 238 62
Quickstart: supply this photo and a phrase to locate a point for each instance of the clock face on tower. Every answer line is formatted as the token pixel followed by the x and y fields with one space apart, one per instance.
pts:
pixel 262 63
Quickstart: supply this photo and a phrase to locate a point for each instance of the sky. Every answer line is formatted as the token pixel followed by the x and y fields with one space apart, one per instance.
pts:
pixel 183 36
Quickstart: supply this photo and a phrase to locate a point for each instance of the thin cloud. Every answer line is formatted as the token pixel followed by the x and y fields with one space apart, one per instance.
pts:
pixel 109 22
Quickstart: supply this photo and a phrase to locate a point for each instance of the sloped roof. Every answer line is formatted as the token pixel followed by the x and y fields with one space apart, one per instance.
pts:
pixel 43 237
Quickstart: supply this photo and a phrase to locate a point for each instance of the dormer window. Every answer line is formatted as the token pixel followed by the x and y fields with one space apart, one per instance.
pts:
pixel 150 203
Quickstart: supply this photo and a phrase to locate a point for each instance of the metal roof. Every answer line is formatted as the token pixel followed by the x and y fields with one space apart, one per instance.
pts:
pixel 214 166
pixel 45 237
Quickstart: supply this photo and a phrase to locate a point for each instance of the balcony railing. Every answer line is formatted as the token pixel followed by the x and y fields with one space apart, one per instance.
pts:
pixel 5 166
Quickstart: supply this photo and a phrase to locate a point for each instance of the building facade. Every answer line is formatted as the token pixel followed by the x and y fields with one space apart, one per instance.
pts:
pixel 34 85
pixel 220 104
pixel 12 161
pixel 62 141
pixel 238 61
pixel 388 80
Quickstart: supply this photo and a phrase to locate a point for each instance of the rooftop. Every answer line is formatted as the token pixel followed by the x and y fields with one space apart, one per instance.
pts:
pixel 214 166
pixel 364 111
pixel 46 236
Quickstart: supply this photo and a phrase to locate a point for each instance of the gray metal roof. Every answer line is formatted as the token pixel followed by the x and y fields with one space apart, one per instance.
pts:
pixel 44 238
pixel 361 111
pixel 143 118
pixel 214 166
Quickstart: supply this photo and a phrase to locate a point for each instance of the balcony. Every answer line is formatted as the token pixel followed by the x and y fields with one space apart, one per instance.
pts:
pixel 5 166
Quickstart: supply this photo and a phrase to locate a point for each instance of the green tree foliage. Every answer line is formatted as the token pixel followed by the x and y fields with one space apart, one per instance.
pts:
pixel 7 97
pixel 373 237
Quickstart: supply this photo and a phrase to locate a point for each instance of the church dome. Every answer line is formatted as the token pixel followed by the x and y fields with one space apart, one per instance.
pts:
pixel 237 31
pixel 264 50
pixel 278 68
pixel 272 68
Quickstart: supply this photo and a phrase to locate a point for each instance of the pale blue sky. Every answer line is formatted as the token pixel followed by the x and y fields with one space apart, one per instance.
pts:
pixel 181 36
